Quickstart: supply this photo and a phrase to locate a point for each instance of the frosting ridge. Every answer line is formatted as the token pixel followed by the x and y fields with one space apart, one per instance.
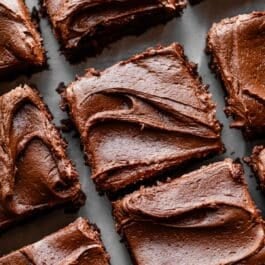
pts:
pixel 142 116
pixel 20 43
pixel 78 243
pixel 205 217
pixel 90 25
pixel 237 48
pixel 35 172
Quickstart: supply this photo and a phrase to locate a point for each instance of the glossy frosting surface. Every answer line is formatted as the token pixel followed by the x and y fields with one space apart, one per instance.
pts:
pixel 76 19
pixel 257 162
pixel 206 217
pixel 78 243
pixel 142 116
pixel 35 172
pixel 20 43
pixel 237 47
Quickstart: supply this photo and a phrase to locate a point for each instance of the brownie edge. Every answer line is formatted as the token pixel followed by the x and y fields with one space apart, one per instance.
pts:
pixel 142 117
pixel 257 162
pixel 236 46
pixel 77 243
pixel 21 46
pixel 202 218
pixel 86 27
pixel 36 174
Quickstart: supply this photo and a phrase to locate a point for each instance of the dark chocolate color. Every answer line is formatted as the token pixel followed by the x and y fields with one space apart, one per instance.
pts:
pixel 203 218
pixel 257 163
pixel 85 27
pixel 77 244
pixel 143 116
pixel 20 43
pixel 35 173
pixel 237 48
pixel 195 2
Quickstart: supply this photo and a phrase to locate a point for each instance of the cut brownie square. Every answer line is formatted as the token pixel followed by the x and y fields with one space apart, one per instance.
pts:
pixel 35 171
pixel 257 163
pixel 205 217
pixel 77 243
pixel 85 27
pixel 20 43
pixel 237 48
pixel 142 116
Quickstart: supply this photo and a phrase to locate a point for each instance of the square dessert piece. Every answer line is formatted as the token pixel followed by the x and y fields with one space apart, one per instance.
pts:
pixel 257 163
pixel 20 43
pixel 237 48
pixel 35 172
pixel 77 243
pixel 85 27
pixel 142 116
pixel 205 217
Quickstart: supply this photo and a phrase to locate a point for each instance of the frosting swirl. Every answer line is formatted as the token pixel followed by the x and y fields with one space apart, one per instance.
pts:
pixel 142 116
pixel 20 43
pixel 94 23
pixel 78 243
pixel 205 217
pixel 35 172
pixel 237 47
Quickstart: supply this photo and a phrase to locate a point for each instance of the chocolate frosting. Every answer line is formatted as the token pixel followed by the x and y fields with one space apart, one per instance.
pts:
pixel 76 20
pixel 142 116
pixel 257 162
pixel 20 43
pixel 257 259
pixel 237 47
pixel 78 243
pixel 206 217
pixel 35 172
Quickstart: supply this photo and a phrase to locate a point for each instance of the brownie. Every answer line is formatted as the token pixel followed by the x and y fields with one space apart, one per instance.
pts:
pixel 257 163
pixel 35 172
pixel 77 243
pixel 237 48
pixel 20 43
pixel 85 27
pixel 205 217
pixel 142 116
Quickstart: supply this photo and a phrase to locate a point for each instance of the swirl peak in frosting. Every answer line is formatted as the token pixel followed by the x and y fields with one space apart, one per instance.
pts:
pixel 20 43
pixel 35 173
pixel 77 243
pixel 143 116
pixel 85 26
pixel 237 48
pixel 206 217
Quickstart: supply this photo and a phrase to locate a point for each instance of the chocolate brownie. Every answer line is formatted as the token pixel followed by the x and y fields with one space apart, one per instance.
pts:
pixel 142 116
pixel 237 48
pixel 85 27
pixel 203 218
pixel 77 243
pixel 20 43
pixel 257 163
pixel 35 171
